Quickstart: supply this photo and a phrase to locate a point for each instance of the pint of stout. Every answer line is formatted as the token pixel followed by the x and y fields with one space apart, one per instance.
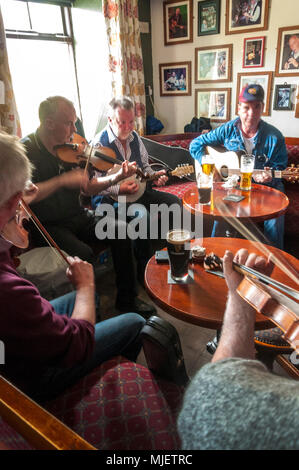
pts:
pixel 178 252
pixel 247 166
pixel 205 179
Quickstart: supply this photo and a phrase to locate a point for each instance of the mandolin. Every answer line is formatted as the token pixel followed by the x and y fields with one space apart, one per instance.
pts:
pixel 180 171
pixel 227 163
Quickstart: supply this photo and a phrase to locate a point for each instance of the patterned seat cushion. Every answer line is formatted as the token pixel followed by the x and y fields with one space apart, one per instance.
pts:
pixel 177 189
pixel 118 406
pixel 271 338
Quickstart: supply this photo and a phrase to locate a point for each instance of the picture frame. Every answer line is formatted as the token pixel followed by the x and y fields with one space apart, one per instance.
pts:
pixel 208 19
pixel 253 52
pixel 178 22
pixel 262 78
pixel 287 55
pixel 283 98
pixel 213 103
pixel 246 15
pixel 213 63
pixel 175 79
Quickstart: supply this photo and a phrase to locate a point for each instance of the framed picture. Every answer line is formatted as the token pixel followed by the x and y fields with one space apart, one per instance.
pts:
pixel 208 17
pixel 178 22
pixel 261 78
pixel 253 52
pixel 175 79
pixel 246 15
pixel 213 103
pixel 283 97
pixel 213 63
pixel 287 52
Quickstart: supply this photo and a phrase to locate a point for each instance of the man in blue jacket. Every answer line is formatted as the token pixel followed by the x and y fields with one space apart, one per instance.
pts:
pixel 248 132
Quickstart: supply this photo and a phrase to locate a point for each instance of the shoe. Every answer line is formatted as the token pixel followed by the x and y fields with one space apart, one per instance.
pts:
pixel 137 306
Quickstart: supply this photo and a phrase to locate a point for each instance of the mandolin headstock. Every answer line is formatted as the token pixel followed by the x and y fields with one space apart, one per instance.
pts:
pixel 182 170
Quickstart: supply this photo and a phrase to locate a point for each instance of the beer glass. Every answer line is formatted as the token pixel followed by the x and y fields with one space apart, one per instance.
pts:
pixel 178 251
pixel 247 166
pixel 205 179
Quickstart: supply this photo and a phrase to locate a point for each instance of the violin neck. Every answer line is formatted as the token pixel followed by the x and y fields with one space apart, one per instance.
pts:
pixel 253 274
pixel 107 159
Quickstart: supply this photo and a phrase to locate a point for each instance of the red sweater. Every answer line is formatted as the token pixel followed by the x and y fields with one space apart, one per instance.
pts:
pixel 34 336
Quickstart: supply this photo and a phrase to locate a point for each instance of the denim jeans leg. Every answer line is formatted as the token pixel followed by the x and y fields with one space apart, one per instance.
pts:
pixel 274 231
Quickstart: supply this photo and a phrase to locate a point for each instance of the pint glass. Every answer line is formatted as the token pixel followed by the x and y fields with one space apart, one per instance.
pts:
pixel 178 251
pixel 247 166
pixel 205 179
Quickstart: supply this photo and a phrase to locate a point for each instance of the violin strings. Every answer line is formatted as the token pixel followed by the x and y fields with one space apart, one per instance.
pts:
pixel 238 225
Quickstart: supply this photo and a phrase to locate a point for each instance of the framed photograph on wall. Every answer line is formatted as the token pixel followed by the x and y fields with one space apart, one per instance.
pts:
pixel 261 78
pixel 213 63
pixel 287 52
pixel 208 17
pixel 175 79
pixel 213 103
pixel 253 52
pixel 246 15
pixel 283 98
pixel 178 22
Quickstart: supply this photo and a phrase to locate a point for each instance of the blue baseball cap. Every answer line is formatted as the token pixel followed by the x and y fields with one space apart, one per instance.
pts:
pixel 252 93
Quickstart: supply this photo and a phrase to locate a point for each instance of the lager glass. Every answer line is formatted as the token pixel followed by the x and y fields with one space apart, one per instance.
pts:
pixel 178 251
pixel 205 179
pixel 247 166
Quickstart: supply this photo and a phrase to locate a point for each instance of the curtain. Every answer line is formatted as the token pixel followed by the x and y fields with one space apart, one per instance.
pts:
pixel 8 110
pixel 125 55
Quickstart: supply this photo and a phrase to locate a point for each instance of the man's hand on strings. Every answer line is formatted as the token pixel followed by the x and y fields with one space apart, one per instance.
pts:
pixel 252 260
pixel 162 178
pixel 264 176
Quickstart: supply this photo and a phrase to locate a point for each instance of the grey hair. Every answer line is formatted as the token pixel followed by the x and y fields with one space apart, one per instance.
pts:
pixel 50 106
pixel 15 167
pixel 124 102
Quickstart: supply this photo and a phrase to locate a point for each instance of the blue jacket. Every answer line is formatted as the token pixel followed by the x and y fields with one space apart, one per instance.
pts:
pixel 268 142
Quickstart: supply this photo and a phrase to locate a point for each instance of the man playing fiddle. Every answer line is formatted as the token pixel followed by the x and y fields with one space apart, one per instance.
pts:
pixel 234 402
pixel 50 345
pixel 57 205
pixel 251 134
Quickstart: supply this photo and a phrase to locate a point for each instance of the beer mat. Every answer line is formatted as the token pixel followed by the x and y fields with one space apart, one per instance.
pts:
pixel 233 198
pixel 189 279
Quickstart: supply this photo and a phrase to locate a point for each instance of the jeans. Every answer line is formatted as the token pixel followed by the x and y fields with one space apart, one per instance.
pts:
pixel 115 336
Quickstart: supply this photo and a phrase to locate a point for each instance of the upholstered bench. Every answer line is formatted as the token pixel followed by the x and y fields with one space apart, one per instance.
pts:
pixel 120 405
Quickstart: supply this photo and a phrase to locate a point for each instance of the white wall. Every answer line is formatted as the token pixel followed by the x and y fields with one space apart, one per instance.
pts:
pixel 176 111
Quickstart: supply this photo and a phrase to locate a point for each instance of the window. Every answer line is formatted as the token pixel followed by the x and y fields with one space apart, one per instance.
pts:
pixel 41 57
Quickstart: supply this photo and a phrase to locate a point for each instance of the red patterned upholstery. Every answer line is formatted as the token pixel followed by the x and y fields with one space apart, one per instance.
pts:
pixel 178 189
pixel 118 406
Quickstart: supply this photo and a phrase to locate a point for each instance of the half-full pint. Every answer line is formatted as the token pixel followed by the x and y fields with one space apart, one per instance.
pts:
pixel 245 183
pixel 178 251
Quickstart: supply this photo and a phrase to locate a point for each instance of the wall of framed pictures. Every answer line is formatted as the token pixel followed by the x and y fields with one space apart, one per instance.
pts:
pixel 227 44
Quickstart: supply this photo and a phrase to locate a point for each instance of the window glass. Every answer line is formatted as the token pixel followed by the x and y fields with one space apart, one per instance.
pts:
pixel 46 18
pixel 15 15
pixel 39 69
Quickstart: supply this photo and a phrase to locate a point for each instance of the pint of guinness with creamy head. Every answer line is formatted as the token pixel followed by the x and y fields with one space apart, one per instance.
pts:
pixel 178 252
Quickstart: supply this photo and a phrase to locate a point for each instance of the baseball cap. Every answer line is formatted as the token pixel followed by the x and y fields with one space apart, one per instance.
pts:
pixel 251 93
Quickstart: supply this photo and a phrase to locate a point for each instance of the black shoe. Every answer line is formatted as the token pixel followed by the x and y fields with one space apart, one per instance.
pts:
pixel 137 306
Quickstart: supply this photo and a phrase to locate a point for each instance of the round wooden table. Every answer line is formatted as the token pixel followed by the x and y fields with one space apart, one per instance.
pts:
pixel 259 204
pixel 203 301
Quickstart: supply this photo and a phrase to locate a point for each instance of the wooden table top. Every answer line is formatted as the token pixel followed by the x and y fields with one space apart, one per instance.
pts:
pixel 203 302
pixel 261 203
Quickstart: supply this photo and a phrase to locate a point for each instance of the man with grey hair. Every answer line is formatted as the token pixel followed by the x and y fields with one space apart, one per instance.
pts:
pixel 119 135
pixel 50 345
pixel 58 207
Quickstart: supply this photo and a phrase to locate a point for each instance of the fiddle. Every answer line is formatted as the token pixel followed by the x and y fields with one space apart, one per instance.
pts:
pixel 263 294
pixel 100 158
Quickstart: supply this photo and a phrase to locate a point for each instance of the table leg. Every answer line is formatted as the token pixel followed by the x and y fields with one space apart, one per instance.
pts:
pixel 212 345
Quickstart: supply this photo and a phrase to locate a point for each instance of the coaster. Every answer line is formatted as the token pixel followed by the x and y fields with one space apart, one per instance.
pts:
pixel 188 280
pixel 233 198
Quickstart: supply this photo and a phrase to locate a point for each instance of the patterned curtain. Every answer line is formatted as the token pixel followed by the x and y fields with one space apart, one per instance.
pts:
pixel 9 118
pixel 125 55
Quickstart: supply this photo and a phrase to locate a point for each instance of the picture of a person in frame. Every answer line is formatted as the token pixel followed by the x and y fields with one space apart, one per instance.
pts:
pixel 253 53
pixel 175 79
pixel 291 52
pixel 283 97
pixel 246 12
pixel 177 22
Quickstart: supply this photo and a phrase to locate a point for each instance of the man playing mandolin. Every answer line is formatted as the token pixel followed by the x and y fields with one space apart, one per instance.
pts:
pixel 120 136
pixel 251 134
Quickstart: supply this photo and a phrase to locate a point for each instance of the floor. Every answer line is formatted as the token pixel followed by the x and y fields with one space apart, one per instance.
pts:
pixel 193 338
